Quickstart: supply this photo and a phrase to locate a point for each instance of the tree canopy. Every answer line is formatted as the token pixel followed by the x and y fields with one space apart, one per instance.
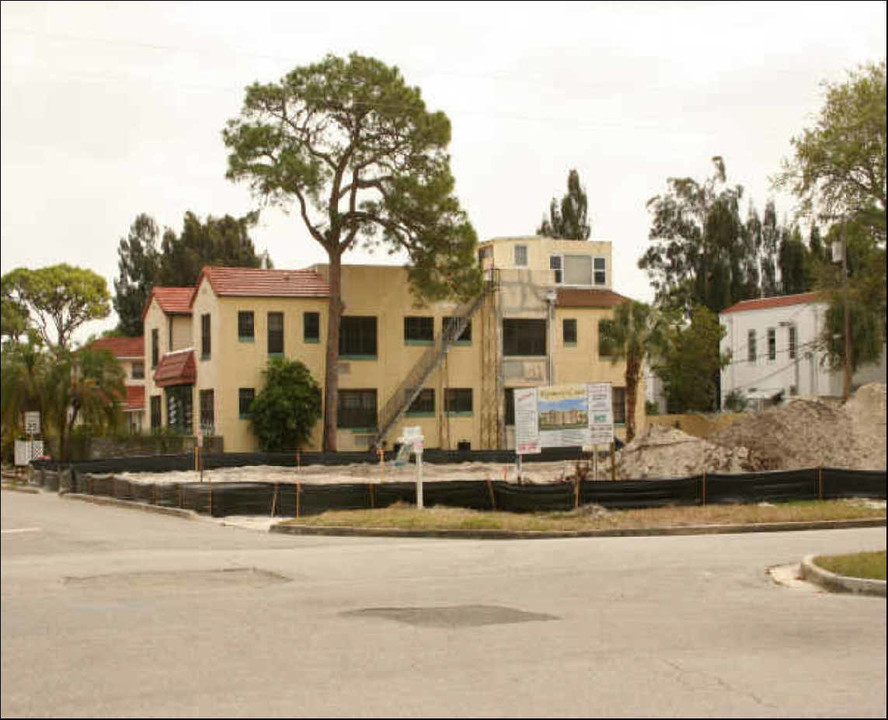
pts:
pixel 177 260
pixel 569 218
pixel 354 148
pixel 57 299
pixel 838 166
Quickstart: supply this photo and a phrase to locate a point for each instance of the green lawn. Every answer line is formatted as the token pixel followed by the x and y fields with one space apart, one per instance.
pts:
pixel 401 516
pixel 869 565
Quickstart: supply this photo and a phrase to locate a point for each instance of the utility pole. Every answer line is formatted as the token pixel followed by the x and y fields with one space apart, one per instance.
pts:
pixel 846 382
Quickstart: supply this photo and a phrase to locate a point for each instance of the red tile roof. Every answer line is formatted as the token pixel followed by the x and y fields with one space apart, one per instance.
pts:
pixel 121 347
pixel 588 298
pixel 772 302
pixel 172 300
pixel 176 368
pixel 135 397
pixel 256 282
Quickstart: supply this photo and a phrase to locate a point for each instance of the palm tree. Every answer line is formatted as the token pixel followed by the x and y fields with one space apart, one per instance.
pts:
pixel 89 386
pixel 24 371
pixel 633 335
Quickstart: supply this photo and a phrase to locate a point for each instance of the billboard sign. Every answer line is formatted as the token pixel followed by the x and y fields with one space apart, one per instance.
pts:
pixel 563 416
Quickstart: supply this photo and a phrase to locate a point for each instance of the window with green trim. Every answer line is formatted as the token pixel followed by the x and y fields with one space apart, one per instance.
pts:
pixel 356 409
pixel 357 336
pixel 424 403
pixel 311 327
pixel 275 333
pixel 419 329
pixel 245 328
pixel 245 398
pixel 458 400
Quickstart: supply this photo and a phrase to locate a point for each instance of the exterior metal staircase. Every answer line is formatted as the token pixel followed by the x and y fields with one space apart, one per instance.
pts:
pixel 404 395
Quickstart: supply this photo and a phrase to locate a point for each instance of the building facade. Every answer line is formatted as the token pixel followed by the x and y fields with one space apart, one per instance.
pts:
pixel 773 344
pixel 448 368
pixel 130 354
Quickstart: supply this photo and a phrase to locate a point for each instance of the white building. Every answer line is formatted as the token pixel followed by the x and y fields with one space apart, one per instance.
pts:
pixel 773 342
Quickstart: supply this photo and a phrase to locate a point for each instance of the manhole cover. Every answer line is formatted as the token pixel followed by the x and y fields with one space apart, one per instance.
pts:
pixel 180 580
pixel 453 616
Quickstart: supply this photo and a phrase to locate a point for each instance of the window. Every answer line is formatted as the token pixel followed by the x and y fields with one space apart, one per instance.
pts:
pixel 244 400
pixel 419 330
pixel 772 344
pixel 357 409
pixel 357 337
pixel 424 404
pixel 510 406
pixel 245 328
pixel 618 399
pixel 138 371
pixel 275 333
pixel 555 267
pixel 600 274
pixel 207 412
pixel 793 342
pixel 520 255
pixel 311 327
pixel 750 347
pixel 484 253
pixel 569 331
pixel 465 336
pixel 204 336
pixel 458 400
pixel 156 420
pixel 155 347
pixel 524 337
pixel 606 344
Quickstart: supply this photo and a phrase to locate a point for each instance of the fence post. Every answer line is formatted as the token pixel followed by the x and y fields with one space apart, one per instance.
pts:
pixel 298 492
pixel 492 497
pixel 577 492
pixel 274 500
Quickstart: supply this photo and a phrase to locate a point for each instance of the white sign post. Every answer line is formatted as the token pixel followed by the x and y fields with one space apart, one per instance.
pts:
pixel 414 438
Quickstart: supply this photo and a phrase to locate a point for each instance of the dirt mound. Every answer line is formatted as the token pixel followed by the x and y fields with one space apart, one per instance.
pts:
pixel 799 434
pixel 810 433
pixel 664 452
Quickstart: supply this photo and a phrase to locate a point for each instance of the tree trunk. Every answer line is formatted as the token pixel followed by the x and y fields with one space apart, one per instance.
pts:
pixel 632 368
pixel 331 373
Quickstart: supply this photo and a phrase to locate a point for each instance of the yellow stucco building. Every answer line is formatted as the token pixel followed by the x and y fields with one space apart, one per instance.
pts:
pixel 450 369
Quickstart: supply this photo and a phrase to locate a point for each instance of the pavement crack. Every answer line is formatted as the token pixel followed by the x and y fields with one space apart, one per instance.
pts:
pixel 718 679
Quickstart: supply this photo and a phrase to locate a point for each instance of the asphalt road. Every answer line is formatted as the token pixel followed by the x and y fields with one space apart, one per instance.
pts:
pixel 110 612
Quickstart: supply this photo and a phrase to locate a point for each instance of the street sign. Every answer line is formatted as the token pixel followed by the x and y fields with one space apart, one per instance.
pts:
pixel 32 422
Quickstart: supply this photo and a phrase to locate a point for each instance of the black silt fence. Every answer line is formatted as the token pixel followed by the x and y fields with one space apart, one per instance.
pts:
pixel 836 483
pixel 472 494
pixel 534 498
pixel 640 493
pixel 759 487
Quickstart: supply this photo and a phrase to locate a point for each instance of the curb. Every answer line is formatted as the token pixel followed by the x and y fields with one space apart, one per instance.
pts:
pixel 548 534
pixel 100 500
pixel 840 583
pixel 19 488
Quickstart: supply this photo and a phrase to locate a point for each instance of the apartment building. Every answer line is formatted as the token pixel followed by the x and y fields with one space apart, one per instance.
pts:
pixel 775 353
pixel 449 368
pixel 130 354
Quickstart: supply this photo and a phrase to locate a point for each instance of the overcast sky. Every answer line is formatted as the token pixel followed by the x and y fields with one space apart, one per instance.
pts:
pixel 114 109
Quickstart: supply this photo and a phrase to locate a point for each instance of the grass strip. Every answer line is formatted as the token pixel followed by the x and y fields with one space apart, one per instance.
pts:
pixel 868 565
pixel 403 516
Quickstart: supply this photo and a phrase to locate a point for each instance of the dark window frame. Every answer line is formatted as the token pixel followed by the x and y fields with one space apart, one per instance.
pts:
pixel 358 337
pixel 357 409
pixel 619 408
pixel 275 336
pixel 569 331
pixel 246 326
pixel 772 344
pixel 751 350
pixel 155 347
pixel 792 342
pixel 311 327
pixel 206 339
pixel 245 397
pixel 525 338
pixel 207 403
pixel 510 406
pixel 423 404
pixel 156 411
pixel 458 401
pixel 138 370
pixel 465 337
pixel 419 329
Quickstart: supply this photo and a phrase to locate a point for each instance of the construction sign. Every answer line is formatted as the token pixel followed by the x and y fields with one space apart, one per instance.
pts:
pixel 563 416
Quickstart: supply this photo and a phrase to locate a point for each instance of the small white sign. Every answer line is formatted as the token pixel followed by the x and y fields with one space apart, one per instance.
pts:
pixel 32 422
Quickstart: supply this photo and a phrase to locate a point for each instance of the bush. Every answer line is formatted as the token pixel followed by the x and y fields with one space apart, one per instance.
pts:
pixel 736 401
pixel 285 411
